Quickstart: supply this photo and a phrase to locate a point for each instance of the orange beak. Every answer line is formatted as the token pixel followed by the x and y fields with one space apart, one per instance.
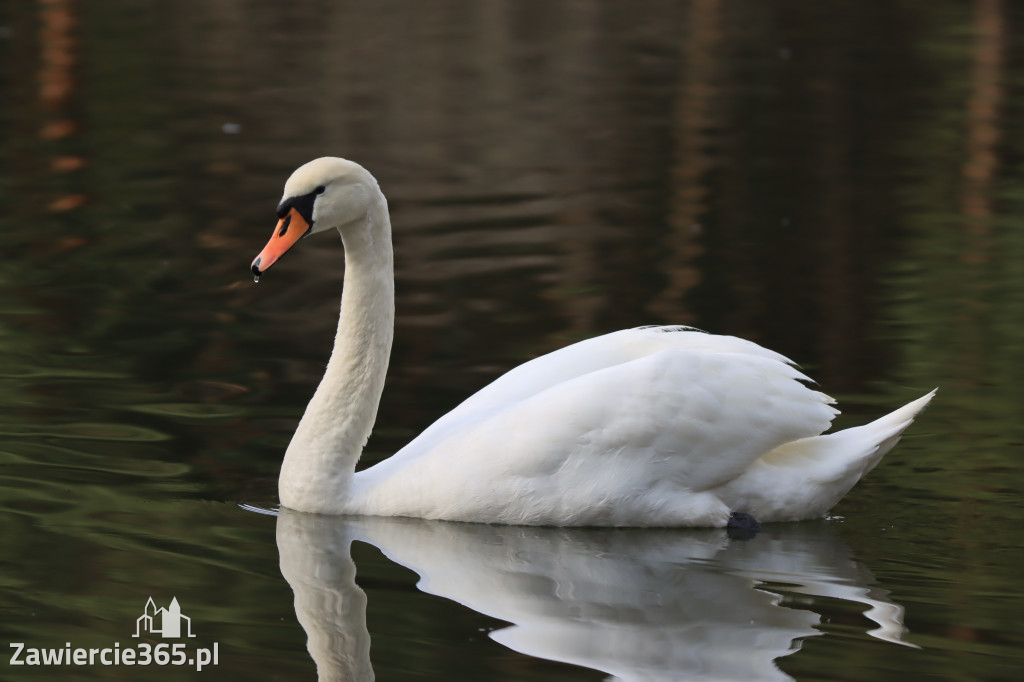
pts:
pixel 290 229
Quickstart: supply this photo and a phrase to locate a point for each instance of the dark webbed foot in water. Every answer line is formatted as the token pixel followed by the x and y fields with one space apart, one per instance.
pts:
pixel 742 526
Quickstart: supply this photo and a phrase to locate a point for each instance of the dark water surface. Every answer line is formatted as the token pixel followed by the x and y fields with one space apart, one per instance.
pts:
pixel 839 181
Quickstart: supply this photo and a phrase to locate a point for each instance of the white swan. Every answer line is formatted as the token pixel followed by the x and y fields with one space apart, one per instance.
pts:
pixel 655 426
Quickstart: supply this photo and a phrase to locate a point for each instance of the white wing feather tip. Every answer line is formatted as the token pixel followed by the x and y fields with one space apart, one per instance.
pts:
pixel 669 328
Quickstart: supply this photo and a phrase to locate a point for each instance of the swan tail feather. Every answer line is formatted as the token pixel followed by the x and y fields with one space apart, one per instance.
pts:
pixel 805 478
pixel 859 449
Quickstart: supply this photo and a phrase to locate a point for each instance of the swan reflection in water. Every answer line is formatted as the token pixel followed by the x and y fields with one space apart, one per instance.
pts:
pixel 638 604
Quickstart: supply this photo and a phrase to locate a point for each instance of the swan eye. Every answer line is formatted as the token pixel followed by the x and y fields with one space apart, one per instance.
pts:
pixel 303 204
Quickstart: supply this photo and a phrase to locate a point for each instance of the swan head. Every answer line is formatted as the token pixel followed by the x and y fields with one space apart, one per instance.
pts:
pixel 325 193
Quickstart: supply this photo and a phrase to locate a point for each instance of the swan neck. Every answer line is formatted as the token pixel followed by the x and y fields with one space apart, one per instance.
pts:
pixel 321 458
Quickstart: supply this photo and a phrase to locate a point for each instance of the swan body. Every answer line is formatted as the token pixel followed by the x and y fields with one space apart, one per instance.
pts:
pixel 654 426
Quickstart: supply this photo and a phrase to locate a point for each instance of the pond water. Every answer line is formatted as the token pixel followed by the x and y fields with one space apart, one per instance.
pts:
pixel 838 181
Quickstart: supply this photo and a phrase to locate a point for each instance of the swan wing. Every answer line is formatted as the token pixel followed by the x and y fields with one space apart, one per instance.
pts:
pixel 626 429
pixel 592 355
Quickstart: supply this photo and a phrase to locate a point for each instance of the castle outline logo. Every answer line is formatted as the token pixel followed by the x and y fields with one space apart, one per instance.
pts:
pixel 169 623
pixel 166 622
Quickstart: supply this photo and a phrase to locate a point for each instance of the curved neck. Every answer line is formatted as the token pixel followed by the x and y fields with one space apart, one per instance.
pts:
pixel 321 458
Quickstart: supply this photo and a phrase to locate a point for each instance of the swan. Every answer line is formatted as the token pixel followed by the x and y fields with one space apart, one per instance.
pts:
pixel 653 426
